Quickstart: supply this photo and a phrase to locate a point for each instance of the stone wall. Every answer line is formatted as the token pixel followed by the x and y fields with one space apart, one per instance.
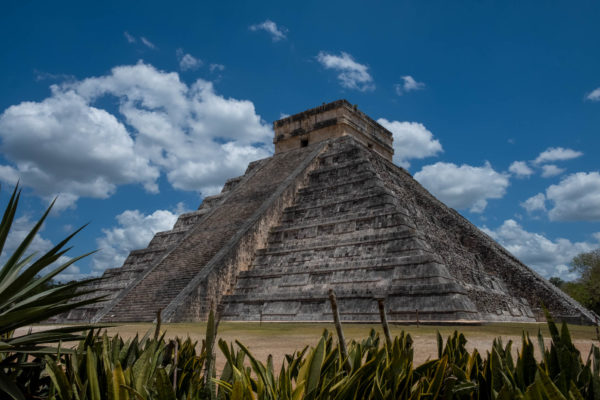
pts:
pixel 330 121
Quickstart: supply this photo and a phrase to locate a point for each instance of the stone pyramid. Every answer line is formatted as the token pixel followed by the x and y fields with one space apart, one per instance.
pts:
pixel 328 210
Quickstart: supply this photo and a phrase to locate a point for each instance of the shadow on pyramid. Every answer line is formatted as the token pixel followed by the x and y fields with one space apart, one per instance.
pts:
pixel 329 210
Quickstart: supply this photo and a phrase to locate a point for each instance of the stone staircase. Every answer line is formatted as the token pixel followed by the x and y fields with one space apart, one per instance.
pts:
pixel 346 231
pixel 115 280
pixel 158 286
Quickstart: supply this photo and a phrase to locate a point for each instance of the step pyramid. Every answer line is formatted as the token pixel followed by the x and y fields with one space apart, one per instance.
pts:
pixel 329 210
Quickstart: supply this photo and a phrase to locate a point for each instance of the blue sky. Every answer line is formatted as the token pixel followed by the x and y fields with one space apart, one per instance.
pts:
pixel 131 112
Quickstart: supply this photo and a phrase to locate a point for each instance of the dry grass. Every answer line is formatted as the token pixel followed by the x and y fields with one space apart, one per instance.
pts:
pixel 279 339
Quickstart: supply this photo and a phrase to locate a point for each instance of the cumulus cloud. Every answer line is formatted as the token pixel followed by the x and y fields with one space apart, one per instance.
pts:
pixel 277 32
pixel 535 203
pixel 65 144
pixel 187 61
pixel 463 186
pixel 594 95
pixel 553 154
pixel 550 170
pixel 148 43
pixel 548 257
pixel 19 230
pixel 411 141
pixel 352 75
pixel 134 231
pixel 62 144
pixel 409 85
pixel 520 169
pixel 575 198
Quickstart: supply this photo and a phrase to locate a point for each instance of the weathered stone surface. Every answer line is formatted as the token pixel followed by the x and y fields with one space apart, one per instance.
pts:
pixel 328 210
pixel 330 121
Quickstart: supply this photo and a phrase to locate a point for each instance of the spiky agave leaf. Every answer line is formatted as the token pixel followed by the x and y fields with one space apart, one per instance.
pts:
pixel 24 299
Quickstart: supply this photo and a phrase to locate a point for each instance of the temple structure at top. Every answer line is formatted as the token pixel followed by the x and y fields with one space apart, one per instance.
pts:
pixel 330 121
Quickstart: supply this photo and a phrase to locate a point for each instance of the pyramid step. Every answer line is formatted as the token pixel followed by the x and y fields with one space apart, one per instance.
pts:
pixel 167 238
pixel 407 271
pixel 352 306
pixel 211 201
pixel 321 291
pixel 360 261
pixel 325 256
pixel 328 237
pixel 341 171
pixel 374 280
pixel 188 220
pixel 344 196
pixel 331 207
pixel 394 242
pixel 360 218
pixel 339 186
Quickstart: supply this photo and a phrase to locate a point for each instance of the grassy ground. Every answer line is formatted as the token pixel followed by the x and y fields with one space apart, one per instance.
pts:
pixel 279 339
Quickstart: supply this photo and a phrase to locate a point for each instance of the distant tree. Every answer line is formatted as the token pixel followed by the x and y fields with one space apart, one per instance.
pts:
pixel 586 289
pixel 556 281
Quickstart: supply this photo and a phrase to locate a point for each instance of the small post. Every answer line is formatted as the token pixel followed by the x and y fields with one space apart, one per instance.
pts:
pixel 176 359
pixel 260 320
pixel 340 333
pixel 158 323
pixel 384 323
pixel 597 330
pixel 212 325
pixel 417 311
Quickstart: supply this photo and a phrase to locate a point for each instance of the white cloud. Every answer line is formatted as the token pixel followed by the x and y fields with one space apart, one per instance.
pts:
pixel 548 257
pixel 352 75
pixel 216 67
pixel 187 61
pixel 594 95
pixel 575 198
pixel 463 186
pixel 134 231
pixel 277 33
pixel 411 141
pixel 129 37
pixel 534 203
pixel 19 230
pixel 64 144
pixel 557 154
pixel 520 169
pixel 147 43
pixel 550 170
pixel 409 85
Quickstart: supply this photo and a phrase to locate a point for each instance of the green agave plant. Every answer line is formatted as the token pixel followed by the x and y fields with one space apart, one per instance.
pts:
pixel 27 298
pixel 152 368
pixel 101 367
